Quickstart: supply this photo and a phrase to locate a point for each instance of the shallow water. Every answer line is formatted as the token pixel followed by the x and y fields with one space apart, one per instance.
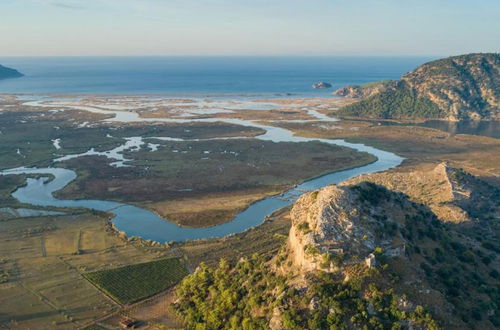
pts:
pixel 483 128
pixel 135 221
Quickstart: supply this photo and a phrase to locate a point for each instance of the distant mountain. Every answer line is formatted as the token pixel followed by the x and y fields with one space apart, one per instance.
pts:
pixel 455 88
pixel 6 73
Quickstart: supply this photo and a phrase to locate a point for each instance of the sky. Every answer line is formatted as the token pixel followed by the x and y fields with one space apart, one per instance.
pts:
pixel 248 27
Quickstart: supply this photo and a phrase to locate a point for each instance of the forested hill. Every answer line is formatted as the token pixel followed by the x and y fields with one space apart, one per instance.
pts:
pixel 6 73
pixel 455 88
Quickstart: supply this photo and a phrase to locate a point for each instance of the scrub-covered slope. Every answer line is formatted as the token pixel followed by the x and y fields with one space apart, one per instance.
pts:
pixel 454 88
pixel 391 250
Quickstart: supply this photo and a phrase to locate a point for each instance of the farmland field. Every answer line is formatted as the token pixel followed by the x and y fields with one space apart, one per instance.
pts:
pixel 131 283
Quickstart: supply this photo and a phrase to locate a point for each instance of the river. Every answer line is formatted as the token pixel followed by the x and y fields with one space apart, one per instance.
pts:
pixel 139 222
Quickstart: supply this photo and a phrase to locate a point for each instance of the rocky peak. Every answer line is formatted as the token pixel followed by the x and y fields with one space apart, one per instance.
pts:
pixel 340 225
pixel 344 224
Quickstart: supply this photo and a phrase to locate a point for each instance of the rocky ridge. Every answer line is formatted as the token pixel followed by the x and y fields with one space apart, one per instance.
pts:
pixel 344 224
pixel 433 230
pixel 341 225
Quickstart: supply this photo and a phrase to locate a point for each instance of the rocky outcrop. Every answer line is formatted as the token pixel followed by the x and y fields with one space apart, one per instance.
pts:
pixel 324 222
pixel 365 216
pixel 6 73
pixel 364 91
pixel 340 225
pixel 455 88
pixel 352 91
pixel 321 85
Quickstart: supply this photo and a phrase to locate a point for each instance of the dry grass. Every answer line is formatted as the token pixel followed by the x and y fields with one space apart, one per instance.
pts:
pixel 210 210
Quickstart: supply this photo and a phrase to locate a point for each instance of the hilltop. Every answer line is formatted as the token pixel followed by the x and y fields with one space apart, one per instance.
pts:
pixel 414 249
pixel 455 88
pixel 6 73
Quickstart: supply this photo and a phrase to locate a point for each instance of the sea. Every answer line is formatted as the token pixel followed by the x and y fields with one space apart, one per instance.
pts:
pixel 226 77
pixel 289 76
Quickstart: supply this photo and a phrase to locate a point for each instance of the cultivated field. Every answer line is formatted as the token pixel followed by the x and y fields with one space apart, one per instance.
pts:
pixel 44 260
pixel 131 283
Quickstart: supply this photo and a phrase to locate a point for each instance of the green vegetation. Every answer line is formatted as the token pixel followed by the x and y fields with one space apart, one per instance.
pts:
pixel 8 184
pixel 247 296
pixel 372 84
pixel 460 87
pixel 372 193
pixel 304 227
pixel 134 282
pixel 444 260
pixel 45 287
pixel 399 103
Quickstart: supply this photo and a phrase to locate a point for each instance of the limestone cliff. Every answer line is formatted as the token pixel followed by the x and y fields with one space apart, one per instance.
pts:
pixel 340 225
pixel 344 224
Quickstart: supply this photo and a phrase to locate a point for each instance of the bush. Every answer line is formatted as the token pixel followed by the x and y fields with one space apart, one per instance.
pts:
pixel 244 297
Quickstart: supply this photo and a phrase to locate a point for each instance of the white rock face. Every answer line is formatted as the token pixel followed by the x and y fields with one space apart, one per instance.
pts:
pixel 328 222
pixel 340 225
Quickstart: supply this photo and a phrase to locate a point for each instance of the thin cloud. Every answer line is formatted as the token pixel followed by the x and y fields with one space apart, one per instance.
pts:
pixel 65 5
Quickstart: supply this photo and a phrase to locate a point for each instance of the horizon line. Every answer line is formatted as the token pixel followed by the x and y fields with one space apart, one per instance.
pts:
pixel 245 55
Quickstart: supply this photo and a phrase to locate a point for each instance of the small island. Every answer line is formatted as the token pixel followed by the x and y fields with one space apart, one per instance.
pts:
pixel 6 73
pixel 321 85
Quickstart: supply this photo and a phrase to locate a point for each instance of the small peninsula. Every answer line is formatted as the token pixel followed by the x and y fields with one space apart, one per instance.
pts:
pixel 6 73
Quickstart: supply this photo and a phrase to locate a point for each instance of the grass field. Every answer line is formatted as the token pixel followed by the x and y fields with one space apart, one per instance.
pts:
pixel 132 283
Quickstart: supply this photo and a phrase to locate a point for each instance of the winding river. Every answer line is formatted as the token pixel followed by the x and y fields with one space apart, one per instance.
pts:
pixel 136 221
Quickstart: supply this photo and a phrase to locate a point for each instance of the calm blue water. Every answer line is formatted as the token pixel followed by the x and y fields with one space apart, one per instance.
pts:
pixel 198 75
